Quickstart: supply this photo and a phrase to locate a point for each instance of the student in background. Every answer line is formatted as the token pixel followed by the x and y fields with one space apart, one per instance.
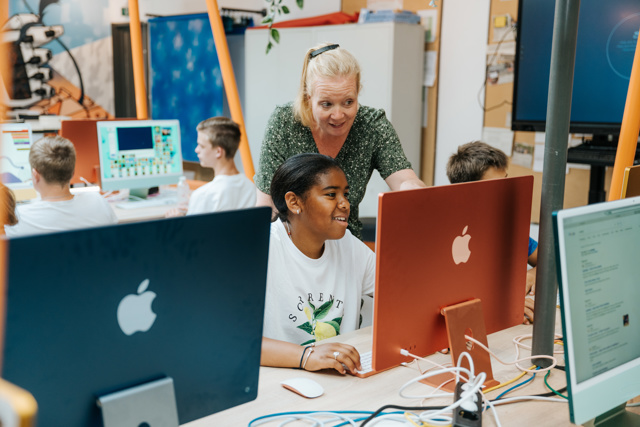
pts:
pixel 52 161
pixel 218 141
pixel 318 271
pixel 8 210
pixel 477 161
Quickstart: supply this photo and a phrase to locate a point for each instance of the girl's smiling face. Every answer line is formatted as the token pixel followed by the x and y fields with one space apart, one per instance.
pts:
pixel 324 208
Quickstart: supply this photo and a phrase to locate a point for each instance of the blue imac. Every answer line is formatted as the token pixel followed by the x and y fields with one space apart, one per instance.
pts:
pixel 17 139
pixel 598 271
pixel 138 155
pixel 149 316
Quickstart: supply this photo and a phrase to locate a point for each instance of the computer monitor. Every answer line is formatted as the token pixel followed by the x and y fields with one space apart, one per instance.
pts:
pixel 70 337
pixel 83 134
pixel 598 271
pixel 605 48
pixel 440 246
pixel 138 155
pixel 17 139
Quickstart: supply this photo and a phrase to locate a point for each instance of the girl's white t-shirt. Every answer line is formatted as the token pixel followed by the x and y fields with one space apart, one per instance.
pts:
pixel 308 299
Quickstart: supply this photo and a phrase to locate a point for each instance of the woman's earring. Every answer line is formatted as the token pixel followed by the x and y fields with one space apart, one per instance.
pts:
pixel 298 212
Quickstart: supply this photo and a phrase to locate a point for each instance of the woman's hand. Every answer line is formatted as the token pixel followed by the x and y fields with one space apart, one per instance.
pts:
pixel 333 356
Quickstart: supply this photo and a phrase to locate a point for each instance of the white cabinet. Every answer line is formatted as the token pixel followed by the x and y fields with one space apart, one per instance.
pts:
pixel 390 56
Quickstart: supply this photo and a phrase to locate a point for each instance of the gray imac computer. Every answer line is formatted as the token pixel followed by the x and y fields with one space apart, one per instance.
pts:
pixel 599 276
pixel 135 319
pixel 138 155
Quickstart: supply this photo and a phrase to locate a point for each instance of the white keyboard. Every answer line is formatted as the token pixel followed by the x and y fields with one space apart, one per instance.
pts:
pixel 365 361
pixel 147 203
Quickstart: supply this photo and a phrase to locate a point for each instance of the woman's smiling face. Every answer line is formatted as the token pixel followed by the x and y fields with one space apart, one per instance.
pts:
pixel 334 104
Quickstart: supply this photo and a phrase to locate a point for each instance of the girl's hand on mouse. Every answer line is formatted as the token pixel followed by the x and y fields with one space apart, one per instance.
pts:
pixel 334 356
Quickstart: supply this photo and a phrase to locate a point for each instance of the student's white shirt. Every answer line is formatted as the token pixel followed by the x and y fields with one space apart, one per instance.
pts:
pixel 312 299
pixel 223 193
pixel 83 211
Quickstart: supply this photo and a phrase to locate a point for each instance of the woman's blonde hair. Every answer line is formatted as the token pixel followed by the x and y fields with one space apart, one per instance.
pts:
pixel 332 62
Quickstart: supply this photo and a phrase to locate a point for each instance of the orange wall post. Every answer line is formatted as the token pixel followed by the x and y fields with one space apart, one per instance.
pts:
pixel 138 60
pixel 230 87
pixel 4 63
pixel 629 131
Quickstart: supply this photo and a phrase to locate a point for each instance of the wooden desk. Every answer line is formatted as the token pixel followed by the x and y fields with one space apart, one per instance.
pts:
pixel 352 393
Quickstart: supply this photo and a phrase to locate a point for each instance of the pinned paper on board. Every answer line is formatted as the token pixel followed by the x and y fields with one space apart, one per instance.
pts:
pixel 430 64
pixel 500 63
pixel 429 20
pixel 499 138
pixel 522 154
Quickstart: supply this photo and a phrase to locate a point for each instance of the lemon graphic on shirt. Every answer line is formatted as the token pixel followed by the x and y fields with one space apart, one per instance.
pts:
pixel 320 330
pixel 324 330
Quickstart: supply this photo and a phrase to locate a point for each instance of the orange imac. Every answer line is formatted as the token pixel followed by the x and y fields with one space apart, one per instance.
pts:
pixel 441 246
pixel 83 134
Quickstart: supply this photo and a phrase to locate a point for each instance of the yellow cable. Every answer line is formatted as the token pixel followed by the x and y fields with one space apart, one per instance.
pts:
pixel 406 415
pixel 508 382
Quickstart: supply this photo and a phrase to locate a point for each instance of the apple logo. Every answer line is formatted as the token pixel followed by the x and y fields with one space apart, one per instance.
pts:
pixel 460 248
pixel 134 311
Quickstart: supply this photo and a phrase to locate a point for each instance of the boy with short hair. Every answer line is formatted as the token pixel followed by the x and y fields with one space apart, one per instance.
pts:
pixel 479 161
pixel 218 141
pixel 53 161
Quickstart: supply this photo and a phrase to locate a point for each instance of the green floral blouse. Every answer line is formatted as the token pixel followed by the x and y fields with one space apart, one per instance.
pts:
pixel 372 143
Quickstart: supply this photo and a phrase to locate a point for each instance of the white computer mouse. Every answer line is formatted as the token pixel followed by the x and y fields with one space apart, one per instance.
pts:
pixel 304 387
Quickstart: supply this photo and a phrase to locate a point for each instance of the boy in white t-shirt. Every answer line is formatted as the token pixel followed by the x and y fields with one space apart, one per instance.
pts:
pixel 218 141
pixel 52 161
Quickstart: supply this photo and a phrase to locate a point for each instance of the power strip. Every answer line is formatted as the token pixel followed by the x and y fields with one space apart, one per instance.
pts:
pixel 469 413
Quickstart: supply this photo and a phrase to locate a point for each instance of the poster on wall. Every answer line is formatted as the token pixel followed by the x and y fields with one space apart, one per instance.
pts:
pixel 185 78
pixel 61 56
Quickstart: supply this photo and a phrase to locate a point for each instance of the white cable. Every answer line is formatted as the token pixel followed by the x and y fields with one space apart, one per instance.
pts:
pixel 475 384
pixel 519 398
pixel 493 409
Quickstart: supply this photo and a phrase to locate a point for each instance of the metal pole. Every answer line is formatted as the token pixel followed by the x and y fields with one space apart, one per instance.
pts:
pixel 628 141
pixel 563 54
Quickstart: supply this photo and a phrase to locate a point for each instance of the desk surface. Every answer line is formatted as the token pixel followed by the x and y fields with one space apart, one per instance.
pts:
pixel 368 394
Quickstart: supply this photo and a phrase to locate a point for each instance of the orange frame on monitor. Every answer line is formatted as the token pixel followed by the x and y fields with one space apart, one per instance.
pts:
pixel 423 265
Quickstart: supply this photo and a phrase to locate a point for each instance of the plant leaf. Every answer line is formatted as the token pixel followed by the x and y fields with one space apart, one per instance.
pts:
pixel 308 342
pixel 276 35
pixel 285 9
pixel 300 3
pixel 338 320
pixel 306 326
pixel 266 19
pixel 323 310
